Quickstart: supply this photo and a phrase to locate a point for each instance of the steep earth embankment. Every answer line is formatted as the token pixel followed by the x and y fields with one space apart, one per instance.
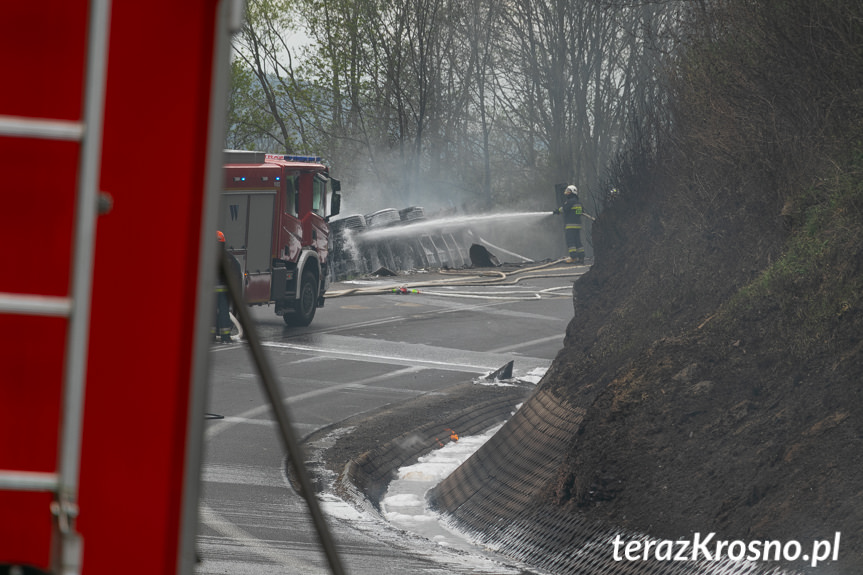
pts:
pixel 715 354
pixel 744 415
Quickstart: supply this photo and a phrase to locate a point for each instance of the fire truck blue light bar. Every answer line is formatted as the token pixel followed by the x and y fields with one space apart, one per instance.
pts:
pixel 307 159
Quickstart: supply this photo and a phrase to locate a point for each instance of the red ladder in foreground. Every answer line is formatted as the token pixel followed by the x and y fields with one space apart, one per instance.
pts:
pixel 75 307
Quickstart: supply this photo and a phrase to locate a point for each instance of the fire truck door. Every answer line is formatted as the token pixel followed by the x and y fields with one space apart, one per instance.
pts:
pixel 260 235
pixel 259 256
pixel 233 219
pixel 246 219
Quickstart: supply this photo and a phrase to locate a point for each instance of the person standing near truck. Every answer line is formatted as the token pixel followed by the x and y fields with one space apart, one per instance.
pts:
pixel 224 324
pixel 572 212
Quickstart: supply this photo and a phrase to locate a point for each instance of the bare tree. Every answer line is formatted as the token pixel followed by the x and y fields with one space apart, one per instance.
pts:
pixel 584 63
pixel 482 98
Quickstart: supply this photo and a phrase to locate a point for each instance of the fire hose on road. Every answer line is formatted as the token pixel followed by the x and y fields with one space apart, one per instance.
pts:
pixel 498 278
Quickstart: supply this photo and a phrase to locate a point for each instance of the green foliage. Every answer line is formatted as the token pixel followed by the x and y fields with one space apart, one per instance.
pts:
pixel 250 125
pixel 817 284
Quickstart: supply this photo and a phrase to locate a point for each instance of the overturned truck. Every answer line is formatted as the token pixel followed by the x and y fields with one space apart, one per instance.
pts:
pixel 397 240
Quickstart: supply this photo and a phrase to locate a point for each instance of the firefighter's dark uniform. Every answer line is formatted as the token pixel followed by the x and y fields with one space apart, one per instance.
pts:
pixel 223 319
pixel 572 211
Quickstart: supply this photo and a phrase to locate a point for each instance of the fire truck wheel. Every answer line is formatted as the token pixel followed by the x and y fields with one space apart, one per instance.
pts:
pixel 306 305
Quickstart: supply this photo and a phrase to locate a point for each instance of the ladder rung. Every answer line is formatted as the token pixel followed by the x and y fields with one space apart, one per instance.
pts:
pixel 35 305
pixel 28 481
pixel 17 126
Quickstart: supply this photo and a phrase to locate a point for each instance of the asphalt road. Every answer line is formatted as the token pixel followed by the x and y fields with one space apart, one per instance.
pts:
pixel 362 352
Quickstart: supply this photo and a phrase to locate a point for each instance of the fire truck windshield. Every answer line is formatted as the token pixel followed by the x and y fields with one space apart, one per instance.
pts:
pixel 292 187
pixel 318 191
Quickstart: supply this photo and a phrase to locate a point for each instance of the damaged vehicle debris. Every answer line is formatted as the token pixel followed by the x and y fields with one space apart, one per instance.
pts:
pixel 402 240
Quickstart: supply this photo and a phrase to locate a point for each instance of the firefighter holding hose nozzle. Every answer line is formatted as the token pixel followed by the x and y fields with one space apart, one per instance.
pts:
pixel 572 212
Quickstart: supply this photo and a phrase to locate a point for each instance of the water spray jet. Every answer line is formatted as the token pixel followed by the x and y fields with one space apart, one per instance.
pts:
pixel 406 239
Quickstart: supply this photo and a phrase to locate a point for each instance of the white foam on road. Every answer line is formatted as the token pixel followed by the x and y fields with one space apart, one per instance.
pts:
pixel 406 517
pixel 404 504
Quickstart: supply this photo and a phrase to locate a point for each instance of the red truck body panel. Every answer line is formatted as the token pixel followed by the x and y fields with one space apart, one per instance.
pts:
pixel 141 334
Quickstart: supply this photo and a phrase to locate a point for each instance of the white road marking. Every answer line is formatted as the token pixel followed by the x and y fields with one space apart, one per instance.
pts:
pixel 416 355
pixel 530 343
pixel 251 415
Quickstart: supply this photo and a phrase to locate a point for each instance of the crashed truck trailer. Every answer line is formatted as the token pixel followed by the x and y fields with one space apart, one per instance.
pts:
pixel 409 239
pixel 106 306
pixel 358 252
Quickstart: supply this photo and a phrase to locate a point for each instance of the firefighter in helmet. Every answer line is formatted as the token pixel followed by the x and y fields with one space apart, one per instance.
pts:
pixel 572 212
pixel 223 319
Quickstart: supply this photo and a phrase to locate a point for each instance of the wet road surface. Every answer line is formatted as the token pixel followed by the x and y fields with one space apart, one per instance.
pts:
pixel 361 353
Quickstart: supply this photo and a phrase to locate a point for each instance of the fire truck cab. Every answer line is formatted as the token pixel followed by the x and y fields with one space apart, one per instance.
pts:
pixel 273 214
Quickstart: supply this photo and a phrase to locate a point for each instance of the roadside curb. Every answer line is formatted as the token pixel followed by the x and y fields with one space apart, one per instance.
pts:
pixel 497 497
pixel 369 474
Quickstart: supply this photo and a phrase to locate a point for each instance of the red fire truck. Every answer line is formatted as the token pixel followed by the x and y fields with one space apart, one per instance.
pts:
pixel 273 214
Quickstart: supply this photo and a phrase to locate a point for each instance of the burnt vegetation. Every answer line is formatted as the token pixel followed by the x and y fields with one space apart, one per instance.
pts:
pixel 717 339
